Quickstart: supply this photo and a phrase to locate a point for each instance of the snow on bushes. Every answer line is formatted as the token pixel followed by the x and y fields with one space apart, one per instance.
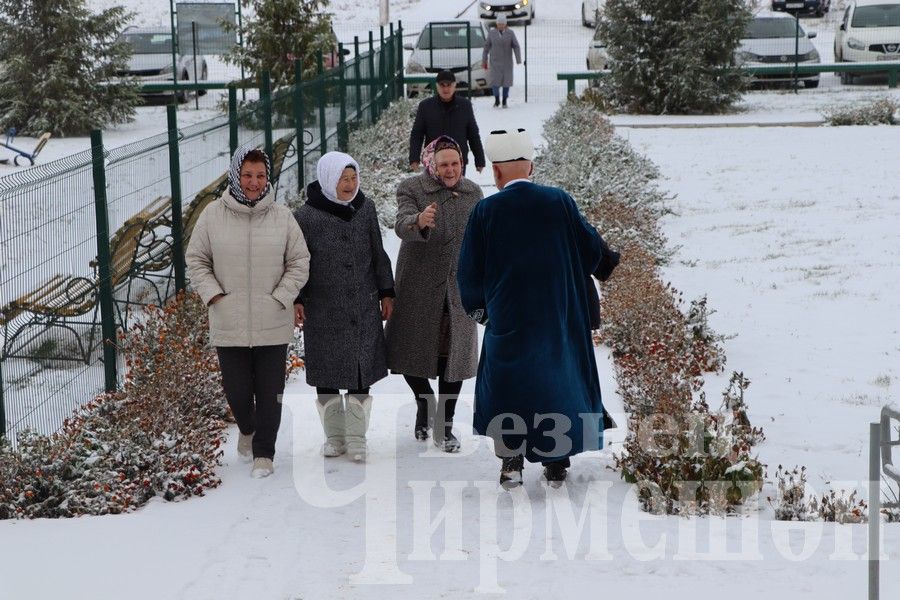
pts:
pixel 160 435
pixel 881 111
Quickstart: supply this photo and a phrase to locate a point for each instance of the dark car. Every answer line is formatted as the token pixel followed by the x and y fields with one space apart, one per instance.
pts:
pixel 815 7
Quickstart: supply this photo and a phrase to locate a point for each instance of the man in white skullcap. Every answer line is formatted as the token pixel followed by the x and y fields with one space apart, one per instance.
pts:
pixel 524 272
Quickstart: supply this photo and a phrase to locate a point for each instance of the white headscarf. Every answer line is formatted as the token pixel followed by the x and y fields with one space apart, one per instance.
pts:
pixel 329 170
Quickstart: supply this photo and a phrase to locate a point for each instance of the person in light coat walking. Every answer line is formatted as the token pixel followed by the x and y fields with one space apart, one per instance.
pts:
pixel 498 52
pixel 349 293
pixel 248 260
pixel 429 335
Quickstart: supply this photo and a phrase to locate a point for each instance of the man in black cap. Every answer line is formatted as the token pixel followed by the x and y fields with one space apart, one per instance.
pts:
pixel 446 114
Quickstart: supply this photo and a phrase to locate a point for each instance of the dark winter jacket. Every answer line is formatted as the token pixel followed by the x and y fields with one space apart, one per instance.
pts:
pixel 435 118
pixel 349 272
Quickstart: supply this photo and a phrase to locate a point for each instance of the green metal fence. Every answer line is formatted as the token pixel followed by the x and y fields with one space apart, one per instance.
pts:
pixel 87 240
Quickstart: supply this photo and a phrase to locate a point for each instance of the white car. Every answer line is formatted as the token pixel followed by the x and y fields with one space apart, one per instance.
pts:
pixel 516 11
pixel 590 10
pixel 771 39
pixel 597 56
pixel 448 50
pixel 869 32
pixel 151 59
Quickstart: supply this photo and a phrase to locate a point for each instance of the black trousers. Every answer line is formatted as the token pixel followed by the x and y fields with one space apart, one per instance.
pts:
pixel 448 392
pixel 253 379
pixel 323 391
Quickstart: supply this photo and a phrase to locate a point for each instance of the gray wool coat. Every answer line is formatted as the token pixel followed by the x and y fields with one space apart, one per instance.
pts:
pixel 349 273
pixel 426 275
pixel 500 48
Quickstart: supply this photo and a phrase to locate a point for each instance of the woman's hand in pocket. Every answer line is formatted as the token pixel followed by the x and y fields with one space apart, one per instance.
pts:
pixel 299 315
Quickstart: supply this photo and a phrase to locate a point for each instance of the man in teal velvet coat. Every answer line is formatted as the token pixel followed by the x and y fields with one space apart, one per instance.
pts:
pixel 524 272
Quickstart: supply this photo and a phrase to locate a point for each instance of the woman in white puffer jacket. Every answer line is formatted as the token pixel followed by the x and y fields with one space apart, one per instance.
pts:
pixel 247 259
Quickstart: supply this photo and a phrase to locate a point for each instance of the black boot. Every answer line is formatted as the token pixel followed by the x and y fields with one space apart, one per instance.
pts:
pixel 443 430
pixel 555 473
pixel 511 471
pixel 422 419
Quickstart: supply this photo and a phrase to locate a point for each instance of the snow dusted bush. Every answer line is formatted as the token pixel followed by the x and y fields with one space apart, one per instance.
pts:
pixel 584 156
pixel 673 56
pixel 160 435
pixel 382 152
pixel 792 503
pixel 882 111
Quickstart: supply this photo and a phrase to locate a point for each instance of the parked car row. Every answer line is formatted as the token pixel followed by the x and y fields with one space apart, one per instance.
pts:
pixel 869 32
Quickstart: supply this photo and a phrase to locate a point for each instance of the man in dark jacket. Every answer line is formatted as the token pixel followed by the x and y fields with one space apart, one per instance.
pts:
pixel 524 272
pixel 446 114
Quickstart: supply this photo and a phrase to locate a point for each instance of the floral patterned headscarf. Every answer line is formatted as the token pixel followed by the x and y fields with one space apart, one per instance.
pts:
pixel 443 142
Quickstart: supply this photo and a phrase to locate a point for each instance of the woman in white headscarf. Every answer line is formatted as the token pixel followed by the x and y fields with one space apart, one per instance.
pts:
pixel 349 293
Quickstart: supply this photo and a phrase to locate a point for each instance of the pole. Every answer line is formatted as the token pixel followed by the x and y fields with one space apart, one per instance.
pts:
pixel 874 508
pixel 107 308
pixel 298 125
pixel 372 85
pixel 401 84
pixel 343 133
pixel 469 55
pixel 384 12
pixel 526 63
pixel 323 129
pixel 232 120
pixel 194 44
pixel 796 51
pixel 240 17
pixel 382 71
pixel 175 178
pixel 356 75
pixel 2 407
pixel 265 95
pixel 174 50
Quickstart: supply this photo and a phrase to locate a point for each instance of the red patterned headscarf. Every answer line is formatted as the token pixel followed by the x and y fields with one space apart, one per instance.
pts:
pixel 443 142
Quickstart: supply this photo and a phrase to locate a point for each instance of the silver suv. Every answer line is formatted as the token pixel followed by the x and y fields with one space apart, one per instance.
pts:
pixel 151 58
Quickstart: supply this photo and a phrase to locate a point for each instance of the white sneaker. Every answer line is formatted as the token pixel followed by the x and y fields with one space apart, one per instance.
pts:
pixel 245 447
pixel 262 467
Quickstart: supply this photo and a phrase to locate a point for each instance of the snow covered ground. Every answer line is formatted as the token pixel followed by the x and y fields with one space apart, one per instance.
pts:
pixel 790 231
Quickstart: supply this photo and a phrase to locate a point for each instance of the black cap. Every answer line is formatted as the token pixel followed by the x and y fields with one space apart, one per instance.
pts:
pixel 446 75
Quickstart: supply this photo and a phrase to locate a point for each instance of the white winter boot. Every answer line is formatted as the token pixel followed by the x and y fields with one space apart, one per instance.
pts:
pixel 245 446
pixel 357 422
pixel 331 411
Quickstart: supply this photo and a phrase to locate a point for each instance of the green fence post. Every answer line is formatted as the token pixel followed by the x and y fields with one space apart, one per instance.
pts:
pixel 298 125
pixel 175 177
pixel 343 133
pixel 107 308
pixel 356 74
pixel 401 85
pixel 323 90
pixel 2 407
pixel 892 78
pixel 232 120
pixel 373 89
pixel 265 96
pixel 382 71
pixel 392 64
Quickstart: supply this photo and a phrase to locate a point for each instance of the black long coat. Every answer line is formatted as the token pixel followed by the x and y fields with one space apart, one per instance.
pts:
pixel 435 118
pixel 349 273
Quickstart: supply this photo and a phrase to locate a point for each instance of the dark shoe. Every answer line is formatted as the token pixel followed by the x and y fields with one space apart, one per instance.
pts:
pixel 504 104
pixel 555 473
pixel 422 420
pixel 449 443
pixel 496 102
pixel 511 472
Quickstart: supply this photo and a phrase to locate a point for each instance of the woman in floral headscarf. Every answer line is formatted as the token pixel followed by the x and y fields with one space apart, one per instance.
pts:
pixel 429 336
